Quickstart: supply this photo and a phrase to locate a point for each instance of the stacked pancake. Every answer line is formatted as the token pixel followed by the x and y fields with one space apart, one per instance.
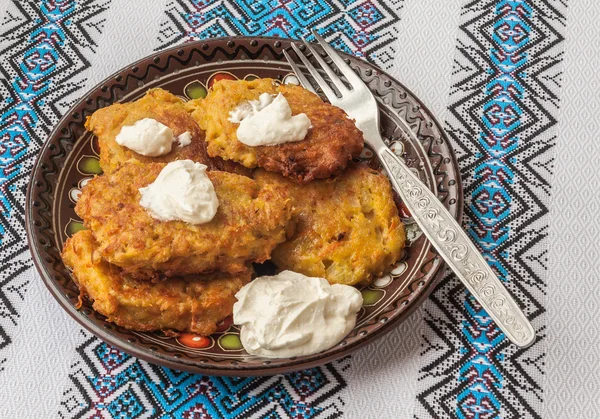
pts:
pixel 305 205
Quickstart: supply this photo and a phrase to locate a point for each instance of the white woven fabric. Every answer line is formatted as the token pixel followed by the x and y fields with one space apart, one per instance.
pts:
pixel 386 374
pixel 45 357
pixel 572 388
pixel 41 354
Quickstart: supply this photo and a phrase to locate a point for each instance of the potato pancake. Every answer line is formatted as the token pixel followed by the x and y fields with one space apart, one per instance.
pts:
pixel 166 108
pixel 332 141
pixel 188 304
pixel 347 230
pixel 250 221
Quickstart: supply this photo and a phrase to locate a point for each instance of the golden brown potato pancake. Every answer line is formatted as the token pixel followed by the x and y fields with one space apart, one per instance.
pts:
pixel 332 141
pixel 251 220
pixel 347 230
pixel 191 304
pixel 167 109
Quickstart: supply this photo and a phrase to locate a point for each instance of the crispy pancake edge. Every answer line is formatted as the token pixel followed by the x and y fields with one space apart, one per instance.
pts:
pixel 250 222
pixel 168 109
pixel 338 221
pixel 194 304
pixel 330 144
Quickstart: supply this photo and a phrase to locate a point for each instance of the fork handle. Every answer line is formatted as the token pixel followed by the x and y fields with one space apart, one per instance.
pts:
pixel 459 252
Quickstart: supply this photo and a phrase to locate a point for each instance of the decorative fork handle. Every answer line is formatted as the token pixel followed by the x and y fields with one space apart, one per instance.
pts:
pixel 459 252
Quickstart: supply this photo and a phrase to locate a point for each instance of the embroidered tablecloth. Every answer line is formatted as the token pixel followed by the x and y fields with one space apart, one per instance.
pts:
pixel 515 85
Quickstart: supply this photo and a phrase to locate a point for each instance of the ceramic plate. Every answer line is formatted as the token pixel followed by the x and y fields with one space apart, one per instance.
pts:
pixel 69 159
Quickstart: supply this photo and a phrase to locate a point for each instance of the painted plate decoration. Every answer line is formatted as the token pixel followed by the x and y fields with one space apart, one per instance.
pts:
pixel 69 159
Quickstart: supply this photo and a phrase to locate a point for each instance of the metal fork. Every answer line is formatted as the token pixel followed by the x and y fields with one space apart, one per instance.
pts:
pixel 438 225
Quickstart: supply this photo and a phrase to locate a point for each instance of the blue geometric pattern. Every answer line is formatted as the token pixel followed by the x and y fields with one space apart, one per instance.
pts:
pixel 505 93
pixel 44 48
pixel 363 28
pixel 19 116
pixel 124 387
pixel 490 204
pixel 503 107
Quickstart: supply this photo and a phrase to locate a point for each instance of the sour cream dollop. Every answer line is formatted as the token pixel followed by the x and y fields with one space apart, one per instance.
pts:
pixel 182 191
pixel 268 121
pixel 185 139
pixel 151 138
pixel 290 314
pixel 147 137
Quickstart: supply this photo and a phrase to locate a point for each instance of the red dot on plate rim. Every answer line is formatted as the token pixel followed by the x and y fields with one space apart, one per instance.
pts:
pixel 221 75
pixel 192 340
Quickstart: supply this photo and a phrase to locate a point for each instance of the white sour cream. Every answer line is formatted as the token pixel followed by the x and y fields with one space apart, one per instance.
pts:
pixel 147 137
pixel 182 191
pixel 290 314
pixel 268 121
pixel 185 139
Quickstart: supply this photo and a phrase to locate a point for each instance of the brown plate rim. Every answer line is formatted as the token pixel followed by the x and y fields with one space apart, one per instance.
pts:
pixel 147 355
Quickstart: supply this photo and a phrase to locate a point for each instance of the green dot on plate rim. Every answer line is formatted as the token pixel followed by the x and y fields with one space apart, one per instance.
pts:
pixel 230 342
pixel 370 296
pixel 74 226
pixel 195 90
pixel 89 165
